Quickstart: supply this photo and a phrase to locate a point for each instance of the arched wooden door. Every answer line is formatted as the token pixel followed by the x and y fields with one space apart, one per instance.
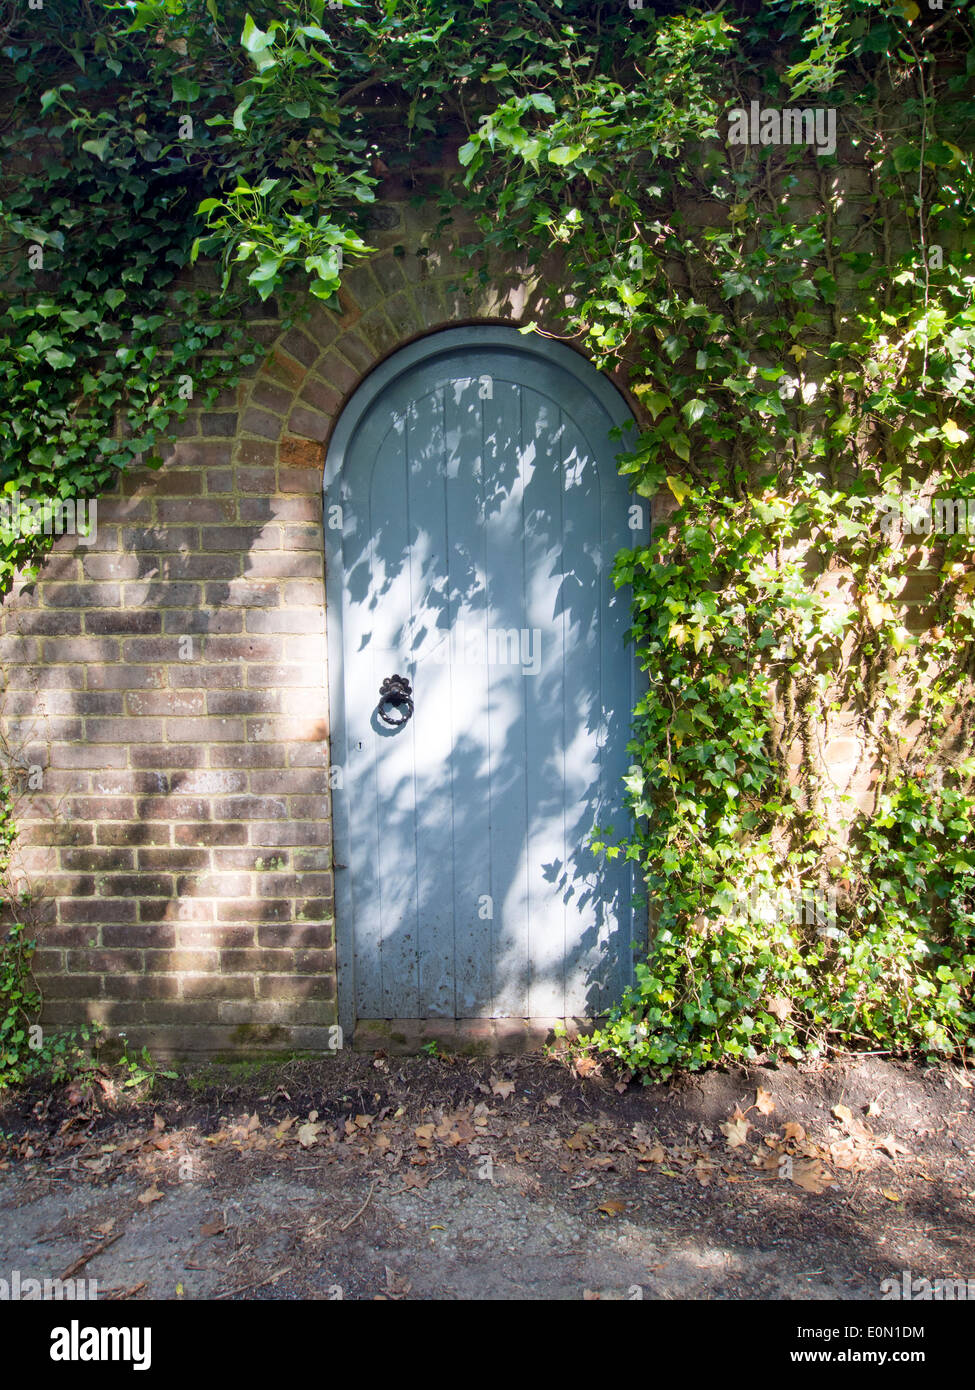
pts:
pixel 473 511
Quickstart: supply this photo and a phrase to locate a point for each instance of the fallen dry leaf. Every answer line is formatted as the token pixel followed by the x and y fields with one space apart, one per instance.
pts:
pixel 502 1088
pixel 612 1208
pixel 764 1102
pixel 843 1154
pixel 735 1130
pixel 891 1196
pixel 892 1146
pixel 212 1228
pixel 308 1134
pixel 810 1175
pixel 151 1194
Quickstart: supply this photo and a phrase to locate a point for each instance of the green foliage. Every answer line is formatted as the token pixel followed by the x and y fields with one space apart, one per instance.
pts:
pixel 27 1051
pixel 796 355
pixel 140 1069
pixel 794 363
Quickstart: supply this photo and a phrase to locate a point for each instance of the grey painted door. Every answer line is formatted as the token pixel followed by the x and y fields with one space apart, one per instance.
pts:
pixel 473 511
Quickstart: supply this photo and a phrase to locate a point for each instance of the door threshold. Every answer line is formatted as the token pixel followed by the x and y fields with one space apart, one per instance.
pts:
pixel 470 1036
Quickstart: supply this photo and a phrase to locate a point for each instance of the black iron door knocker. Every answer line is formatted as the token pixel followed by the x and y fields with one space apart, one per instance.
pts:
pixel 396 693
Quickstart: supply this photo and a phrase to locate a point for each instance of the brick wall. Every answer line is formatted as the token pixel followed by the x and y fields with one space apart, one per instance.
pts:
pixel 166 687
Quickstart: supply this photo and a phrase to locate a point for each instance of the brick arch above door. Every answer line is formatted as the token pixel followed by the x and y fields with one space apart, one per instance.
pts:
pixel 388 301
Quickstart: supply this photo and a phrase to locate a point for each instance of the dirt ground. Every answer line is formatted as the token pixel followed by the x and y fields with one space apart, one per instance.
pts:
pixel 367 1176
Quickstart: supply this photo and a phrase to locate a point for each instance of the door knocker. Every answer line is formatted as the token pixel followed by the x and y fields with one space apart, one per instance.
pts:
pixel 397 693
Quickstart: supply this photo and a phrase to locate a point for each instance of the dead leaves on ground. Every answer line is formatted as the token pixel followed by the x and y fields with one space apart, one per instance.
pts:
pixel 518 1133
pixel 790 1154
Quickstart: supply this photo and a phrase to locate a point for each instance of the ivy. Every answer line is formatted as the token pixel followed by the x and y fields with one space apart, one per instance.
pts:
pixel 800 340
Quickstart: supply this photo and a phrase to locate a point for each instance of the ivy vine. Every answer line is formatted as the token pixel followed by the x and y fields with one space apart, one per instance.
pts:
pixel 796 322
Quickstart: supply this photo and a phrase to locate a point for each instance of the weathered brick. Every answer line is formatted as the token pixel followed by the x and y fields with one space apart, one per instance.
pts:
pixel 289 509
pixel 100 858
pixel 218 987
pixel 105 622
pixel 285 565
pixel 71 987
pixel 221 620
pixel 174 808
pixel 245 593
pixel 262 422
pixel 39 623
pixel 243 702
pixel 287 832
pixel 268 393
pixel 296 935
pixel 258 480
pixel 91 595
pixel 212 729
pixel 295 987
pixel 310 424
pixel 164 538
pixel 175 910
pixel 285 369
pixel 218 934
pixel 201 510
pixel 124 676
pixel 171 702
pixel 254 452
pixel 98 911
pixel 138 834
pixel 220 833
pixel 286 620
pixel 301 347
pixel 169 858
pixel 294 452
pixel 126 730
pixel 170 755
pixel 175 483
pixel 247 755
pixel 257 910
pixel 300 480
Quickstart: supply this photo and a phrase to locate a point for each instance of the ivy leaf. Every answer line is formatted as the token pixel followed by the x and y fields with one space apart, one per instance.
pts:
pixel 49 97
pixel 253 39
pixel 241 110
pixel 693 411
pixel 679 489
pixel 185 89
pixel 96 147
pixel 565 154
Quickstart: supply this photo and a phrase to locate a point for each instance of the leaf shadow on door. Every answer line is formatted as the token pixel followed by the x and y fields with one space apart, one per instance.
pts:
pixel 477 560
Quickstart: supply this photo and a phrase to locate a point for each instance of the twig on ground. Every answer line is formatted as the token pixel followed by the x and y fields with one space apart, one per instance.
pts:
pixel 83 1259
pixel 345 1226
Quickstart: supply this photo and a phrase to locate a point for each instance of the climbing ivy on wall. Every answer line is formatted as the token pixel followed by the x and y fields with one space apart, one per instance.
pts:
pixel 797 364
pixel 797 356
